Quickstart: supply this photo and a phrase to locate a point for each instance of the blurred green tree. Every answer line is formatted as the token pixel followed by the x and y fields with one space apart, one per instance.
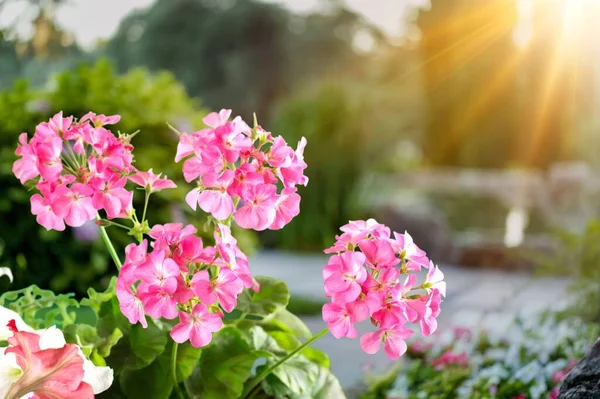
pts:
pixel 240 54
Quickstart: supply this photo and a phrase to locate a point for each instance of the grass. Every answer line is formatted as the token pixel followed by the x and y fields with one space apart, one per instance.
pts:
pixel 303 306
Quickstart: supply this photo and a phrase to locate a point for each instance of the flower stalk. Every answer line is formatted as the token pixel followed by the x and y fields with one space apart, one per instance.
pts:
pixel 263 374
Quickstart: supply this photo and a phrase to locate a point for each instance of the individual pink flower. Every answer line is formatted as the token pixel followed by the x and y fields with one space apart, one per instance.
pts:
pixel 364 306
pixel 340 320
pixel 412 308
pixel 135 255
pixel 359 229
pixel 188 251
pixel 109 151
pixel 47 373
pixel 100 120
pixel 379 253
pixel 216 201
pixel 74 204
pixel 231 256
pixel 287 207
pixel 59 124
pixel 390 314
pixel 49 162
pixel 344 275
pixel 435 279
pixel 152 182
pixel 225 288
pixel 196 327
pixel 25 168
pixel 432 309
pixel 392 338
pixel 246 176
pixel 45 216
pixel 130 304
pixel 215 120
pixel 167 237
pixel 280 154
pixel 205 160
pixel 414 256
pixel 293 174
pixel 383 284
pixel 159 271
pixel 111 195
pixel 258 211
pixel 159 300
pixel 231 140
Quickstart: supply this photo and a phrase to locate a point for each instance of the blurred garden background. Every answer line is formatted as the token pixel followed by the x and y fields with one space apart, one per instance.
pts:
pixel 473 124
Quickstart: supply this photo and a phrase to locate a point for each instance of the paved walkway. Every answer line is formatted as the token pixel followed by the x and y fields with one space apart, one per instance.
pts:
pixel 485 298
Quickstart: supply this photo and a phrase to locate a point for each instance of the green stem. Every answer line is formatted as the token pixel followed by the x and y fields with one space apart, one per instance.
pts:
pixel 263 374
pixel 111 223
pixel 145 205
pixel 174 369
pixel 109 245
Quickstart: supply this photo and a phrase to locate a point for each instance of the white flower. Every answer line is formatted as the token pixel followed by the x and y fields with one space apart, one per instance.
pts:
pixel 539 388
pixel 529 372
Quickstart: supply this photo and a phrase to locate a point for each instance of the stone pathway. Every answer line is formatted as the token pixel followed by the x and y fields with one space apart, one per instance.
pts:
pixel 485 298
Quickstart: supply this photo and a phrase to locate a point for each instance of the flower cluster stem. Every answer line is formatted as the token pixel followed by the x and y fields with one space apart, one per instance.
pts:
pixel 174 370
pixel 109 246
pixel 263 374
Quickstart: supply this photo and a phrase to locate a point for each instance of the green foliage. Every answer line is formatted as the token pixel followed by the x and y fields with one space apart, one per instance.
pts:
pixel 272 296
pixel 224 366
pixel 577 254
pixel 142 358
pixel 145 102
pixel 40 307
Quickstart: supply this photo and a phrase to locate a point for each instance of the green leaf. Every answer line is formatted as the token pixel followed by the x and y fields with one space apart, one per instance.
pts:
pixel 94 346
pixel 157 379
pixel 151 382
pixel 263 344
pixel 225 365
pixel 287 321
pixel 110 317
pixel 139 348
pixel 272 296
pixel 299 378
pixel 317 356
pixel 187 359
pixel 41 308
pixel 95 299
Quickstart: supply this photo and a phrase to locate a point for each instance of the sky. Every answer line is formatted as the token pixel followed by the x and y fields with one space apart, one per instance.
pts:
pixel 91 20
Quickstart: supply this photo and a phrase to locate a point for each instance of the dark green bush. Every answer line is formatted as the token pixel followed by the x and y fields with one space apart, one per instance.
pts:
pixel 146 102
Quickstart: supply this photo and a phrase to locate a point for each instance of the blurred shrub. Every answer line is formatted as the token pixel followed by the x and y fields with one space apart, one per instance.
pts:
pixel 145 102
pixel 578 254
pixel 342 147
pixel 529 359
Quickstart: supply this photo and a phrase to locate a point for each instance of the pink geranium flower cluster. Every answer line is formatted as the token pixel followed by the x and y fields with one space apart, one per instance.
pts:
pixel 237 170
pixel 79 167
pixel 179 278
pixel 374 276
